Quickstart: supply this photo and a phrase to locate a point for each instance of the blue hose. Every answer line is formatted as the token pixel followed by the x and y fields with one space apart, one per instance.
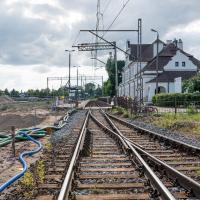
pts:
pixel 23 162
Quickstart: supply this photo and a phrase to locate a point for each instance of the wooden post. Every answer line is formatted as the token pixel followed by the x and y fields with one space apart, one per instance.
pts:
pixel 13 140
pixel 175 105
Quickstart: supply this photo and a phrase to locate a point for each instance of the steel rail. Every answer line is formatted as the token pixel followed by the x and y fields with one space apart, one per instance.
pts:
pixel 144 130
pixel 66 186
pixel 155 181
pixel 183 180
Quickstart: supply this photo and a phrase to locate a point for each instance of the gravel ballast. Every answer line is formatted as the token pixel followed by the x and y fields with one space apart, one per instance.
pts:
pixel 166 132
pixel 67 129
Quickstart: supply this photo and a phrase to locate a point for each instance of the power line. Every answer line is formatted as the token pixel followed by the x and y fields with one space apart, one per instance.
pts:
pixel 106 7
pixel 118 14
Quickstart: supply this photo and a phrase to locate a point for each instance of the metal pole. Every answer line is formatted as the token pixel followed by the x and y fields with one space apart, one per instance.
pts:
pixel 47 83
pixel 137 89
pixel 140 60
pixel 157 64
pixel 69 70
pixel 153 30
pixel 77 77
pixel 116 69
pixel 102 86
pixel 13 141
pixel 77 84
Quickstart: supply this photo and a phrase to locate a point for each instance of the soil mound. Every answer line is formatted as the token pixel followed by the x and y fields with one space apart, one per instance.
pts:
pixel 5 99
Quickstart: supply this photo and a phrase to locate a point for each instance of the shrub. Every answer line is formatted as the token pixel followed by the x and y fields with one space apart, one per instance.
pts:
pixel 192 109
pixel 179 99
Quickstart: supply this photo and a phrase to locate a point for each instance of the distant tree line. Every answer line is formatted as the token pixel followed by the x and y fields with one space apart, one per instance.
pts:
pixel 90 90
pixel 35 93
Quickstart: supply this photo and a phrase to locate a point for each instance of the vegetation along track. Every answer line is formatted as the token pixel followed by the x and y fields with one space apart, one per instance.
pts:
pixel 179 162
pixel 106 166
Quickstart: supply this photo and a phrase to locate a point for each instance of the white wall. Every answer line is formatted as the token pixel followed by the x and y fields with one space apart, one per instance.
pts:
pixel 151 89
pixel 132 89
pixel 146 78
pixel 180 57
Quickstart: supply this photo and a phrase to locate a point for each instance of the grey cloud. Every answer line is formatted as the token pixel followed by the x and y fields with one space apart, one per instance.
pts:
pixel 28 41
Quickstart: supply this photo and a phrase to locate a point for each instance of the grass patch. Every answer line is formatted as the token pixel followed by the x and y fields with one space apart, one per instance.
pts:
pixel 122 111
pixel 183 122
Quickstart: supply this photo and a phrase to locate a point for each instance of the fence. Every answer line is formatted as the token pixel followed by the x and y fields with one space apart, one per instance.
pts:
pixel 134 106
pixel 175 106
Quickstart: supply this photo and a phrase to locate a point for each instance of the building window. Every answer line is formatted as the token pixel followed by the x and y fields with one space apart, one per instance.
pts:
pixel 176 64
pixel 183 64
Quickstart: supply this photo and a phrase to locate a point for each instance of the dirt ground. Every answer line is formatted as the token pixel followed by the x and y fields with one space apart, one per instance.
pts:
pixel 24 115
pixel 10 165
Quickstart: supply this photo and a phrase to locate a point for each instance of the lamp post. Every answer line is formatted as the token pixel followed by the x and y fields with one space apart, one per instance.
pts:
pixel 153 30
pixel 70 51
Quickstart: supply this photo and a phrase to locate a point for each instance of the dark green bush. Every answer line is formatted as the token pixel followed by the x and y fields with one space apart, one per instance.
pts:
pixel 178 99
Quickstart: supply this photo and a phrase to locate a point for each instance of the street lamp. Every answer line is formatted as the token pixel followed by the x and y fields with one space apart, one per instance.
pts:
pixel 153 30
pixel 70 51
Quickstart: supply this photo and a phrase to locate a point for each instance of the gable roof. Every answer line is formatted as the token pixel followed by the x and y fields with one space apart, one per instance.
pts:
pixel 169 76
pixel 147 52
pixel 165 56
pixel 146 49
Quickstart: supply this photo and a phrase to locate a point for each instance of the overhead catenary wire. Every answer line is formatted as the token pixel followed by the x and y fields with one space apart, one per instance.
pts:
pixel 118 14
pixel 106 6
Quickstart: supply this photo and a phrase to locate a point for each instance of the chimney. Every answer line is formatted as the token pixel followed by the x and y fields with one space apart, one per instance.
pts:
pixel 180 44
pixel 127 44
pixel 175 42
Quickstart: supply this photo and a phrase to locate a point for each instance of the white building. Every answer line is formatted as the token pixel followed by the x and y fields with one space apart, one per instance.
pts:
pixel 173 63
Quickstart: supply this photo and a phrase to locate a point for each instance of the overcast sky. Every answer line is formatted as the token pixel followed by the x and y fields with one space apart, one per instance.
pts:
pixel 35 33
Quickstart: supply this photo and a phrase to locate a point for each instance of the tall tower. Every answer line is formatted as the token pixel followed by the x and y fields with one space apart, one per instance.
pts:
pixel 98 17
pixel 99 25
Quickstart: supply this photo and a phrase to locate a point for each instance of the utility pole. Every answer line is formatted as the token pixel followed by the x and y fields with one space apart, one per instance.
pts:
pixel 47 83
pixel 98 17
pixel 157 48
pixel 70 51
pixel 77 79
pixel 116 69
pixel 105 46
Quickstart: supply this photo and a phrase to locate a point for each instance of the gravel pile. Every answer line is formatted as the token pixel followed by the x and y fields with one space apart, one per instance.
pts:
pixel 166 132
pixel 67 129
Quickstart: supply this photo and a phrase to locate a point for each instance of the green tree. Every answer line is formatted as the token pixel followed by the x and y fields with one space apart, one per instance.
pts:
pixel 90 88
pixel 192 85
pixel 98 91
pixel 107 88
pixel 6 92
pixel 14 93
pixel 110 68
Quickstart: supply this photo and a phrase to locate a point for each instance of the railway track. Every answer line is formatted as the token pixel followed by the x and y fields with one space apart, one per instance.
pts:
pixel 56 160
pixel 95 104
pixel 185 159
pixel 112 165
